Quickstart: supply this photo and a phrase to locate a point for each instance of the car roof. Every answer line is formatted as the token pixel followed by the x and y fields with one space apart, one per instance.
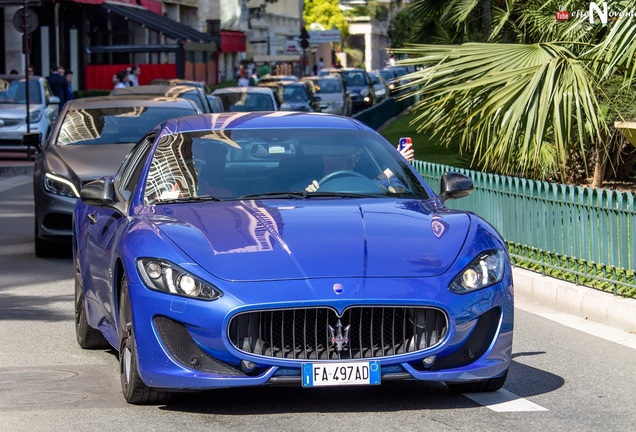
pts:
pixel 156 89
pixel 250 89
pixel 263 120
pixel 129 101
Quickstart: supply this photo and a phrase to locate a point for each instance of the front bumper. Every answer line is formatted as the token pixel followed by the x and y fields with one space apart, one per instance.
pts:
pixel 183 343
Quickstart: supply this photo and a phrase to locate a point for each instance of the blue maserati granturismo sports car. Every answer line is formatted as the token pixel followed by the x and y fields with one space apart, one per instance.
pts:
pixel 286 248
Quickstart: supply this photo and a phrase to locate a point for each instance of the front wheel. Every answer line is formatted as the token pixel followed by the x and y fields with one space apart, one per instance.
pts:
pixel 482 386
pixel 132 386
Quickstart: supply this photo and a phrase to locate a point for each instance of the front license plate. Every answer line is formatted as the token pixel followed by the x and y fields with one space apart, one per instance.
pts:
pixel 338 374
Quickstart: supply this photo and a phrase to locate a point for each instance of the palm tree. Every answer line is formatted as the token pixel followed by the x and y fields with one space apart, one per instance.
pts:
pixel 531 99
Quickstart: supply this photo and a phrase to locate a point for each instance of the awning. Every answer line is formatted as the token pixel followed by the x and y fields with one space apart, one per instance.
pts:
pixel 159 23
pixel 151 5
pixel 233 41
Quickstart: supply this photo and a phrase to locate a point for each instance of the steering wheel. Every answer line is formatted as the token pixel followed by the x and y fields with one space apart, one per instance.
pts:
pixel 340 173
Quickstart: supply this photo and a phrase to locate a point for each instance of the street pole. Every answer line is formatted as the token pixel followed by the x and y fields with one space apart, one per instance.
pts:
pixel 25 49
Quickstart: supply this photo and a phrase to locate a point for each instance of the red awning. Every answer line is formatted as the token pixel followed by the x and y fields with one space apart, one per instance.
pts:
pixel 151 5
pixel 233 41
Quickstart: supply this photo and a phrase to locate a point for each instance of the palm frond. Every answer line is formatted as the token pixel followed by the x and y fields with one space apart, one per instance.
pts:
pixel 506 103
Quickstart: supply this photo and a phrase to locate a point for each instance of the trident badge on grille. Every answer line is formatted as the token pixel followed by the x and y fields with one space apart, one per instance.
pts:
pixel 339 336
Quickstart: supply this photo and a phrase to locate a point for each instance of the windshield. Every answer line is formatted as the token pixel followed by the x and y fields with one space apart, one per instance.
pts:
pixel 328 86
pixel 113 125
pixel 295 94
pixel 246 101
pixel 14 92
pixel 355 78
pixel 278 164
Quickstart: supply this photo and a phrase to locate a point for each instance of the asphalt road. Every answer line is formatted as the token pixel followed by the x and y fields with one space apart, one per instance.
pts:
pixel 561 378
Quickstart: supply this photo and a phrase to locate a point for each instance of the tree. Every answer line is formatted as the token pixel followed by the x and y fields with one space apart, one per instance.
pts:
pixel 327 13
pixel 528 107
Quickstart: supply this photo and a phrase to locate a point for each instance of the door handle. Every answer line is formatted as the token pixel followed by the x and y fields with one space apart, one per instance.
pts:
pixel 92 218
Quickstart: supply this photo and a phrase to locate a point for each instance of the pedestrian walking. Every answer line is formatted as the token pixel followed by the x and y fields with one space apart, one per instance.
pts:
pixel 58 84
pixel 135 71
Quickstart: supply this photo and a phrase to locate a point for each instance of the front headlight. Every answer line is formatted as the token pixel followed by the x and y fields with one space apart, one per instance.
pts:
pixel 35 116
pixel 59 185
pixel 485 270
pixel 164 276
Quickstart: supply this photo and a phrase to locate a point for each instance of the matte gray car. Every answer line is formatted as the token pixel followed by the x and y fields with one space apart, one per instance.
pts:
pixel 90 139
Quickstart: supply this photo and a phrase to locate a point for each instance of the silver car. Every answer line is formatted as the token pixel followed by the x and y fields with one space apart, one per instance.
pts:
pixel 43 110
pixel 89 140
pixel 246 99
pixel 331 94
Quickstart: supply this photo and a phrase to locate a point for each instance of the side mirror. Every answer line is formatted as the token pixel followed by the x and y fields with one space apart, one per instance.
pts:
pixel 54 100
pixel 98 193
pixel 32 139
pixel 454 185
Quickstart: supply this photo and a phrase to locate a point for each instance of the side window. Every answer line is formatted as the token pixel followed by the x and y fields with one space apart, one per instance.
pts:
pixel 131 168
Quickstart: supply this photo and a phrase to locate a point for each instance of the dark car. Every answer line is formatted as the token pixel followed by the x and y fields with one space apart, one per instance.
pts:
pixel 359 86
pixel 89 140
pixel 193 93
pixel 207 263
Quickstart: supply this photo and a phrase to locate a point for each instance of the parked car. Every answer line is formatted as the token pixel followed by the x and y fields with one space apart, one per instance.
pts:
pixel 331 94
pixel 293 96
pixel 380 86
pixel 89 140
pixel 246 99
pixel 43 110
pixel 204 265
pixel 359 86
pixel 193 93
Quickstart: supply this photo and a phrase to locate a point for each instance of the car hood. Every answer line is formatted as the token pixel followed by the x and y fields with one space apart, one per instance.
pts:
pixel 274 240
pixel 330 97
pixel 87 162
pixel 17 111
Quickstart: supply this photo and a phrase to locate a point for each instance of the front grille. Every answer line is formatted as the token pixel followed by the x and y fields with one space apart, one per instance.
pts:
pixel 320 334
pixel 11 122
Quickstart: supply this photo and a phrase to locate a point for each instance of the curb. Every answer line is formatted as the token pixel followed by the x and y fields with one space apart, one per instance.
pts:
pixel 587 303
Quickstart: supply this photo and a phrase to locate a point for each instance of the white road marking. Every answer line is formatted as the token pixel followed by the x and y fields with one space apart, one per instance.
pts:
pixel 504 401
pixel 11 182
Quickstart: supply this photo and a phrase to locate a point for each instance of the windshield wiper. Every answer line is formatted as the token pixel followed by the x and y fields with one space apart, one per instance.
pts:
pixel 305 194
pixel 275 195
pixel 201 198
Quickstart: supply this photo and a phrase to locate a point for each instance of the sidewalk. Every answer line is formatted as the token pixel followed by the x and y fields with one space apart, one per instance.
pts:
pixel 530 287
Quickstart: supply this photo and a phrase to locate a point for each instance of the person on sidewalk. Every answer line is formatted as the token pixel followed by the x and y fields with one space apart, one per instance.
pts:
pixel 58 84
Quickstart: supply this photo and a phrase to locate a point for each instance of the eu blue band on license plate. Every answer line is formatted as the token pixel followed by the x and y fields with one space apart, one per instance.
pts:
pixel 341 373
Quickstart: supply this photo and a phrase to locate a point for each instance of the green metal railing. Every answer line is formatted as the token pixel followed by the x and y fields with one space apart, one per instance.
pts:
pixel 580 234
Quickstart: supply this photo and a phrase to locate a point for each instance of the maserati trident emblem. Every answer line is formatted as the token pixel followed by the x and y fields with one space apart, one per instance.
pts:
pixel 338 288
pixel 339 336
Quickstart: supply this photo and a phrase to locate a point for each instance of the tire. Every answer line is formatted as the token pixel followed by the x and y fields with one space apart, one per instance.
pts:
pixel 87 336
pixel 132 386
pixel 483 386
